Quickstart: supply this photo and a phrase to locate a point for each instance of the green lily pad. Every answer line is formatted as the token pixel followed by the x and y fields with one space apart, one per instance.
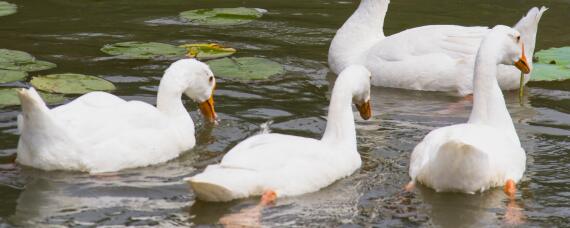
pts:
pixel 222 16
pixel 12 75
pixel 207 51
pixel 551 65
pixel 246 68
pixel 9 97
pixel 143 50
pixel 22 61
pixel 71 83
pixel 7 8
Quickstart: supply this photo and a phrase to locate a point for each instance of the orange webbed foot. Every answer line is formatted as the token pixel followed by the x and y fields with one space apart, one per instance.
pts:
pixel 510 188
pixel 268 197
pixel 410 186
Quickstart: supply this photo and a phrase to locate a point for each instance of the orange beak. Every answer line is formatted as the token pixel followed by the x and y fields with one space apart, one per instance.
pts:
pixel 207 109
pixel 522 63
pixel 364 109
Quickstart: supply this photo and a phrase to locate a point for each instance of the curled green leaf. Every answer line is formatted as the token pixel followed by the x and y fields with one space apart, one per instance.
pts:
pixel 207 51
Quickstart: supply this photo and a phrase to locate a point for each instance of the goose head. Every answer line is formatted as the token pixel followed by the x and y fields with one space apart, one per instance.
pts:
pixel 197 81
pixel 359 80
pixel 512 48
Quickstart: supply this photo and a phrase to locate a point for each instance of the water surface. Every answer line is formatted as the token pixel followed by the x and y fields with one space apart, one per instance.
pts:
pixel 295 33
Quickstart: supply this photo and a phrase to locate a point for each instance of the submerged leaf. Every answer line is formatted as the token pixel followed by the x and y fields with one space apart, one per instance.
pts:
pixel 7 8
pixel 21 61
pixel 207 51
pixel 9 96
pixel 71 83
pixel 143 50
pixel 12 75
pixel 246 68
pixel 551 65
pixel 222 16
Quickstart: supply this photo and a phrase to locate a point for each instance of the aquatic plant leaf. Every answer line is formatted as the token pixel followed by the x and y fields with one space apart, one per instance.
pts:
pixel 71 83
pixel 12 75
pixel 246 68
pixel 207 51
pixel 222 16
pixel 551 65
pixel 9 97
pixel 7 8
pixel 143 50
pixel 22 61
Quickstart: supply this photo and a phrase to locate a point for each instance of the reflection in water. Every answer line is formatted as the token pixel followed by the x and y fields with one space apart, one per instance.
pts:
pixel 471 210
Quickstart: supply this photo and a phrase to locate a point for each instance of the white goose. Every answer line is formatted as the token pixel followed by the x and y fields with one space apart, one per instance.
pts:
pixel 432 58
pixel 100 132
pixel 276 165
pixel 485 152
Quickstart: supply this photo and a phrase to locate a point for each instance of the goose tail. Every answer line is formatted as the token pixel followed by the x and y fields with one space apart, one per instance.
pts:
pixel 459 166
pixel 528 27
pixel 33 107
pixel 222 184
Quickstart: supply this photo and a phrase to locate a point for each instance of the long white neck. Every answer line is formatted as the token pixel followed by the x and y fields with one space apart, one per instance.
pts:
pixel 340 128
pixel 488 102
pixel 169 98
pixel 358 34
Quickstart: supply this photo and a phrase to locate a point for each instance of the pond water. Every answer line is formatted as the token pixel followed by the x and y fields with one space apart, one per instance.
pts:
pixel 295 33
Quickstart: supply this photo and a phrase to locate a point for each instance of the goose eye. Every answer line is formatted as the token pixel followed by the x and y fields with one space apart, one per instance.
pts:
pixel 518 38
pixel 211 79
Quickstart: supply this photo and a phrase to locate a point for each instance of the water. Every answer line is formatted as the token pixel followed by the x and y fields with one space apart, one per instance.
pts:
pixel 295 33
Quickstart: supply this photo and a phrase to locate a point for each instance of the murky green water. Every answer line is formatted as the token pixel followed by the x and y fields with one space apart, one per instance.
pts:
pixel 295 33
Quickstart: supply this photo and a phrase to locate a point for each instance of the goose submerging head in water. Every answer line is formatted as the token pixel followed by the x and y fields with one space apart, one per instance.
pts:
pixel 485 152
pixel 277 165
pixel 431 58
pixel 100 132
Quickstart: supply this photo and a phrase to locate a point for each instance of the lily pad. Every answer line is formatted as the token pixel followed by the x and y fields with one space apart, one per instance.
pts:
pixel 9 97
pixel 207 51
pixel 551 65
pixel 246 68
pixel 71 83
pixel 7 8
pixel 222 16
pixel 143 50
pixel 22 61
pixel 12 75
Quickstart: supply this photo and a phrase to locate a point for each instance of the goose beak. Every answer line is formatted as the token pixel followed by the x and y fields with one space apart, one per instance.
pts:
pixel 522 63
pixel 364 109
pixel 207 109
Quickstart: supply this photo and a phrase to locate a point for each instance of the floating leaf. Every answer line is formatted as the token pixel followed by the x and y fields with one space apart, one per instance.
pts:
pixel 143 50
pixel 7 8
pixel 71 83
pixel 222 16
pixel 12 75
pixel 9 96
pixel 21 61
pixel 207 51
pixel 246 68
pixel 551 65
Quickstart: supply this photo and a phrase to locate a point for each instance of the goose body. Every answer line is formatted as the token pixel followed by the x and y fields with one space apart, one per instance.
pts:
pixel 291 165
pixel 485 152
pixel 100 132
pixel 431 58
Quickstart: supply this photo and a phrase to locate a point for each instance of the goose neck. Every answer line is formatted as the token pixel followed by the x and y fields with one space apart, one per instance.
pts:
pixel 340 127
